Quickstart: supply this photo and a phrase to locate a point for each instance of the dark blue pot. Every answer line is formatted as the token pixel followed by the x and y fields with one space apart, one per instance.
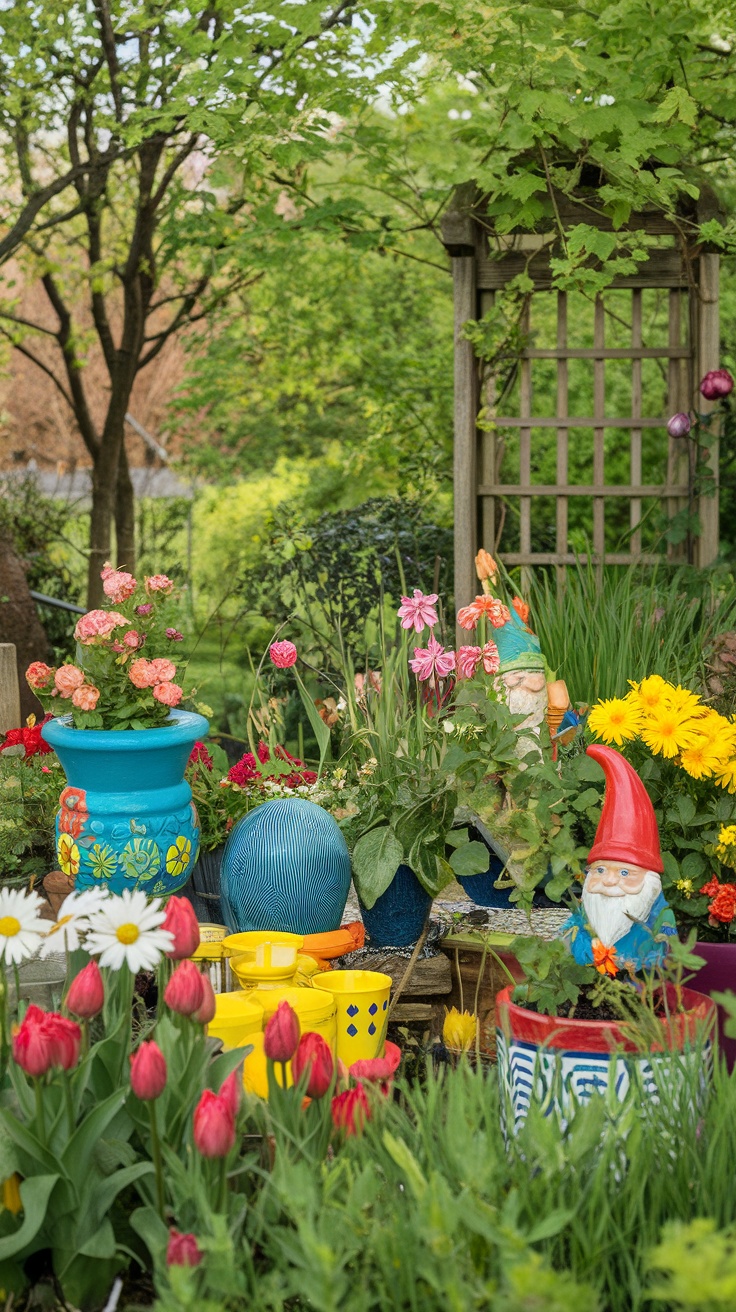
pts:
pixel 480 890
pixel 286 867
pixel 127 819
pixel 397 917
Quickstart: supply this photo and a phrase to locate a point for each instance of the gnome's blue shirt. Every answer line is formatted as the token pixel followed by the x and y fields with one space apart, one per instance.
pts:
pixel 641 948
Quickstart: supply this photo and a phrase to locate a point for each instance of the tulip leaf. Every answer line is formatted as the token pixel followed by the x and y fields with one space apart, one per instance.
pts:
pixel 78 1152
pixel 376 858
pixel 35 1194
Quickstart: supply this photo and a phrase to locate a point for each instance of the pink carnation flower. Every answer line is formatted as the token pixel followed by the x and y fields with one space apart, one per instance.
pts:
pixel 133 639
pixel 160 671
pixel 432 660
pixel 86 697
pixel 468 660
pixel 117 584
pixel 139 673
pixel 67 679
pixel 418 611
pixel 491 658
pixel 158 583
pixel 97 624
pixel 283 654
pixel 170 694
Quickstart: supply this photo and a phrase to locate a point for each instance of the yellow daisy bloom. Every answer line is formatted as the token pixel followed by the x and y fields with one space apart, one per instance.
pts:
pixel 668 732
pixel 682 699
pixel 700 760
pixel 458 1030
pixel 177 857
pixel 615 720
pixel 726 776
pixel 68 855
pixel 649 694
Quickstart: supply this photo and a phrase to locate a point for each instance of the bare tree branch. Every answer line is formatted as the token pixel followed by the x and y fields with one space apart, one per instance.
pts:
pixel 66 342
pixel 23 350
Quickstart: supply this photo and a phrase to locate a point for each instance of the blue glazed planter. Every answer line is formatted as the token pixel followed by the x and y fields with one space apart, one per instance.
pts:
pixel 127 819
pixel 397 917
pixel 286 867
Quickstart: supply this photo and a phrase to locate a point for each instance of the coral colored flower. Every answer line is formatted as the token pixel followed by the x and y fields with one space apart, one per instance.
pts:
pixel 67 679
pixel 169 694
pixel 459 1030
pixel 139 673
pixel 432 660
pixel 491 658
pixel 467 660
pixel 182 1249
pixel 281 1035
pixel 521 608
pixel 39 675
pixel 615 720
pixel 679 425
pixel 118 585
pixel 485 566
pixel 490 607
pixel 350 1110
pixel 314 1056
pixel 184 992
pixel 283 654
pixel 199 753
pixel 418 611
pixel 86 697
pixel 174 635
pixel 161 670
pixel 717 383
pixel 206 1012
pixel 722 908
pixel 604 958
pixel 133 639
pixel 148 1072
pixel 158 583
pixel 182 924
pixel 86 994
pixel 97 624
pixel 213 1125
pixel 379 1070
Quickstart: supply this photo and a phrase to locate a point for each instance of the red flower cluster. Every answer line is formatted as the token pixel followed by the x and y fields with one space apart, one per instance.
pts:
pixel 199 753
pixel 45 1039
pixel 722 908
pixel 29 737
pixel 245 771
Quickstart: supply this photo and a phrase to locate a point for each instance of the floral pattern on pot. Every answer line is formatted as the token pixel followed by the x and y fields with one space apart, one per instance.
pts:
pixel 68 854
pixel 155 854
pixel 73 814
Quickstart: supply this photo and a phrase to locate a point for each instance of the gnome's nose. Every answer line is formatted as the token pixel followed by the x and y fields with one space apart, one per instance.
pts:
pixel 610 879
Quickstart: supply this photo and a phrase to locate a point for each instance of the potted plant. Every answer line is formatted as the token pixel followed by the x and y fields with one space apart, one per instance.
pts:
pixel 126 817
pixel 30 781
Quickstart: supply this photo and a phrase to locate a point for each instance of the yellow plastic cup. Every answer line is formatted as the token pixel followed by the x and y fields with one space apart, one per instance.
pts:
pixel 238 1019
pixel 316 1012
pixel 263 957
pixel 210 951
pixel 362 1012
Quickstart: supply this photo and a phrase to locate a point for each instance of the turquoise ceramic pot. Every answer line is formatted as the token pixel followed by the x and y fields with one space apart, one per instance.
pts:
pixel 286 867
pixel 126 817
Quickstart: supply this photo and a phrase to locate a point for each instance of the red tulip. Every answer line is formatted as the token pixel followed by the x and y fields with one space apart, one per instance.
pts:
pixel 213 1125
pixel 148 1072
pixel 206 1012
pixel 350 1110
pixel 281 1035
pixel 230 1093
pixel 314 1055
pixel 65 1038
pixel 184 992
pixel 717 383
pixel 679 425
pixel 46 1039
pixel 379 1070
pixel 182 1250
pixel 181 921
pixel 86 994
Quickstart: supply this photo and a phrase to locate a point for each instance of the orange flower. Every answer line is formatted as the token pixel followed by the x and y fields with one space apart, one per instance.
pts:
pixel 604 958
pixel 521 608
pixel 485 566
pixel 491 607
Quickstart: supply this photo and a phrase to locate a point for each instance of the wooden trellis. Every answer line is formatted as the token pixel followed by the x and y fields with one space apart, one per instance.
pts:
pixel 688 282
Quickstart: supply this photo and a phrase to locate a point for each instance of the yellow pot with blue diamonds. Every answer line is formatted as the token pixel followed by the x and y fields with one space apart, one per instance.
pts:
pixel 362 998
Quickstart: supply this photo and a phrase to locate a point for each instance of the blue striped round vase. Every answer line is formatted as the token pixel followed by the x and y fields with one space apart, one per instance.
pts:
pixel 286 867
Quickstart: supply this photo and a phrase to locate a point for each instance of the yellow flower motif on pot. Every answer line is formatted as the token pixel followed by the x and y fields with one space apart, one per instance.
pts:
pixel 615 720
pixel 178 856
pixel 458 1030
pixel 68 855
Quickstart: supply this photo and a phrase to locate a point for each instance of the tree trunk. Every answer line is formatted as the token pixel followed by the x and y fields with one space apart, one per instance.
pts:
pixel 104 497
pixel 125 515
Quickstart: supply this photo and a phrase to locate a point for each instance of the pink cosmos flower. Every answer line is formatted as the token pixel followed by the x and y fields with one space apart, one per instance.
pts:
pixel 86 697
pixel 160 671
pixel 432 660
pixel 138 673
pixel 117 584
pixel 283 654
pixel 97 624
pixel 169 694
pixel 67 679
pixel 133 639
pixel 158 583
pixel 418 611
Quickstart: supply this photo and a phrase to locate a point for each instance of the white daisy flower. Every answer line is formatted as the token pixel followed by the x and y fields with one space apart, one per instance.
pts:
pixel 125 931
pixel 20 924
pixel 72 921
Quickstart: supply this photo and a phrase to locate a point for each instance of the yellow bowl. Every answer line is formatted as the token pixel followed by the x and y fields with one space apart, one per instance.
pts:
pixel 362 1011
pixel 316 1012
pixel 251 940
pixel 262 957
pixel 238 1019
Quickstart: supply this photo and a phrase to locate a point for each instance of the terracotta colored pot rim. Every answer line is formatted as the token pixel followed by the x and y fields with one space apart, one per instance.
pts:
pixel 600 1035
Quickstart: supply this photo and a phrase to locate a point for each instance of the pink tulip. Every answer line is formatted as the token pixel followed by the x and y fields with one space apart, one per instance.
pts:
pixel 206 1013
pixel 350 1110
pixel 281 1035
pixel 314 1055
pixel 213 1125
pixel 182 1249
pixel 148 1072
pixel 86 994
pixel 181 921
pixel 230 1093
pixel 184 992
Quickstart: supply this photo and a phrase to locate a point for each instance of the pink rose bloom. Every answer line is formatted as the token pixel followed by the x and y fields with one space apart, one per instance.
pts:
pixel 468 660
pixel 133 639
pixel 39 675
pixel 170 694
pixel 717 383
pixel 283 654
pixel 117 584
pixel 97 624
pixel 160 671
pixel 432 660
pixel 86 697
pixel 418 611
pixel 491 658
pixel 68 678
pixel 139 673
pixel 158 583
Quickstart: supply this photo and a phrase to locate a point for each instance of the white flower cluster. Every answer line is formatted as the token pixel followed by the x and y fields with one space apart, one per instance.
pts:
pixel 121 930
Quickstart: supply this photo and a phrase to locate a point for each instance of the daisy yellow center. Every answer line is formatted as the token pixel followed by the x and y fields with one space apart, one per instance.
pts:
pixel 127 934
pixel 9 926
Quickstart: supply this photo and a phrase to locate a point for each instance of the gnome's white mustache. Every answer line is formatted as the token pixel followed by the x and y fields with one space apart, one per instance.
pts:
pixel 612 914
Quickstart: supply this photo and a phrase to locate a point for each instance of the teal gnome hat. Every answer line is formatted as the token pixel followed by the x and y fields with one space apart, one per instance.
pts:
pixel 518 647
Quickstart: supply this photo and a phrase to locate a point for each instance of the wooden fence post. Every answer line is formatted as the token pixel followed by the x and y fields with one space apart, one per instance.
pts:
pixel 709 352
pixel 9 688
pixel 466 434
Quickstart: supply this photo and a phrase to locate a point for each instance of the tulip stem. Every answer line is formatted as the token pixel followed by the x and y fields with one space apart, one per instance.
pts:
pixel 222 1199
pixel 156 1154
pixel 40 1115
pixel 68 1102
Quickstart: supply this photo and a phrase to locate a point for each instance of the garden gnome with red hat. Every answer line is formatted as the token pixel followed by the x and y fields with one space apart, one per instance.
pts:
pixel 624 920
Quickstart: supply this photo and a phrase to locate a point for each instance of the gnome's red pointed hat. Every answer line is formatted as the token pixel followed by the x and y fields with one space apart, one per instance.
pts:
pixel 627 829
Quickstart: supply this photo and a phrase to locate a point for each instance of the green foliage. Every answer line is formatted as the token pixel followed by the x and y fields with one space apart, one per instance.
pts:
pixel 695 1266
pixel 29 799
pixel 554 980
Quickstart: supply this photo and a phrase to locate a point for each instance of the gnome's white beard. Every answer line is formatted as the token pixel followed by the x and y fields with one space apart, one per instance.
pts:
pixel 533 705
pixel 613 915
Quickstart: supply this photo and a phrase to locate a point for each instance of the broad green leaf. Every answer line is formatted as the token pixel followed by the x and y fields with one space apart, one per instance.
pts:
pixel 35 1194
pixel 376 858
pixel 471 859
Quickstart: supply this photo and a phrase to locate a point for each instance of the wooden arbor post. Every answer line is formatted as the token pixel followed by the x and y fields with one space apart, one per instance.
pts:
pixel 500 481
